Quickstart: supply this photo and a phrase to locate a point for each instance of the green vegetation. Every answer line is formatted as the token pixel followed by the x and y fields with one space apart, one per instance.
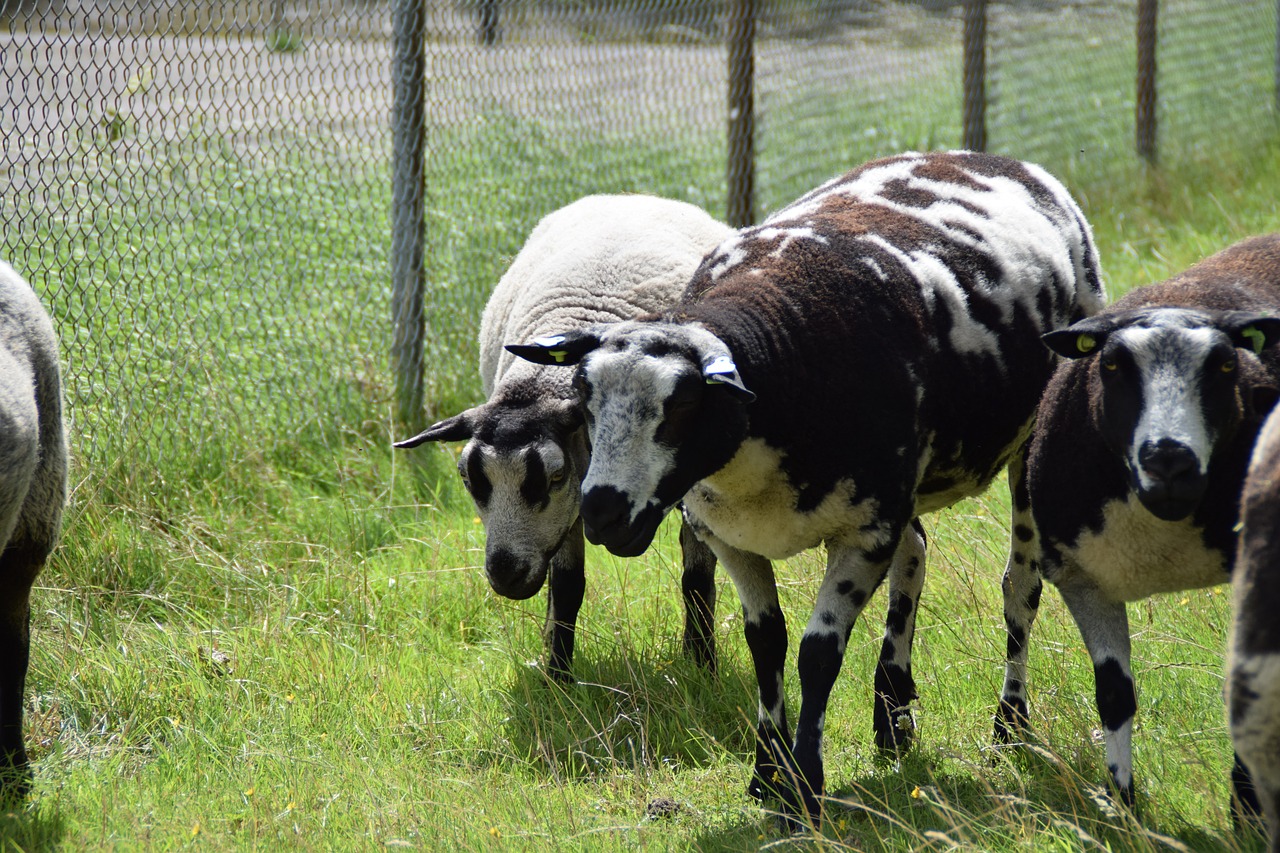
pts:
pixel 264 628
pixel 297 646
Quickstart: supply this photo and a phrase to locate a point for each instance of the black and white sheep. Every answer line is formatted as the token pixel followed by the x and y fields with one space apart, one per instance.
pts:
pixel 1136 466
pixel 1253 671
pixel 600 259
pixel 868 354
pixel 33 491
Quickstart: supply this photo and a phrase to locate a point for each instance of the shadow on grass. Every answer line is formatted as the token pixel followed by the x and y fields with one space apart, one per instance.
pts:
pixel 629 712
pixel 1023 799
pixel 30 828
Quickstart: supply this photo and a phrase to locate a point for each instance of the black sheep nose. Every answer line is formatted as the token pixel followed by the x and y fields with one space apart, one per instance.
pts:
pixel 1167 461
pixel 510 577
pixel 604 507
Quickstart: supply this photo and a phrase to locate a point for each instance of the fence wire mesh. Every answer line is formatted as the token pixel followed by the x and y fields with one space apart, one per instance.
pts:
pixel 201 191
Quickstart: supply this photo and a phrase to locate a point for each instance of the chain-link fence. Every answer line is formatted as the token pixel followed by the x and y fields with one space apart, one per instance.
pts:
pixel 202 191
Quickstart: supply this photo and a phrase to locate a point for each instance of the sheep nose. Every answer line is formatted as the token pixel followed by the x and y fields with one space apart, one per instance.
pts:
pixel 509 576
pixel 604 508
pixel 1167 460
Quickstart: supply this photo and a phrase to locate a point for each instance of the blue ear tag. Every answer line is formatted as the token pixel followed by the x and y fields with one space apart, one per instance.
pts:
pixel 548 341
pixel 1254 335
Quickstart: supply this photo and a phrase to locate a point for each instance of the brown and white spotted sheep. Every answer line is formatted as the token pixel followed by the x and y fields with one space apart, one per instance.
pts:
pixel 866 355
pixel 1139 456
pixel 600 259
pixel 1253 669
pixel 33 491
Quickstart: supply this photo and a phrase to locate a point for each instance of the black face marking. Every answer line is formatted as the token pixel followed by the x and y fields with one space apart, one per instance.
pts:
pixel 844 587
pixel 473 477
pixel 1023 532
pixel 680 410
pixel 535 488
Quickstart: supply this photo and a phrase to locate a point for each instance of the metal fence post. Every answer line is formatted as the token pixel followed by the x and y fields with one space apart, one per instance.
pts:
pixel 742 159
pixel 975 75
pixel 408 206
pixel 1145 95
pixel 489 22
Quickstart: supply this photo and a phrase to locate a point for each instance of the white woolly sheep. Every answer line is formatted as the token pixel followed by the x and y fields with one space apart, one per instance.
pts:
pixel 1253 667
pixel 1139 456
pixel 598 260
pixel 33 491
pixel 868 354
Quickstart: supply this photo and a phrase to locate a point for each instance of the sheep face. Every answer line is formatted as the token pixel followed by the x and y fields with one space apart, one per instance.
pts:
pixel 664 407
pixel 522 465
pixel 1167 387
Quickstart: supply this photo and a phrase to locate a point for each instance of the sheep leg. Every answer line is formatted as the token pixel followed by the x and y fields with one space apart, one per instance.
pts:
pixel 565 589
pixel 766 633
pixel 895 688
pixel 852 576
pixel 1022 587
pixel 18 569
pixel 1246 808
pixel 1104 626
pixel 699 585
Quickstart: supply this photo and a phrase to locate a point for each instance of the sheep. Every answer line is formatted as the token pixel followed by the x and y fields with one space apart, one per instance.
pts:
pixel 1253 664
pixel 866 355
pixel 1134 472
pixel 33 491
pixel 600 259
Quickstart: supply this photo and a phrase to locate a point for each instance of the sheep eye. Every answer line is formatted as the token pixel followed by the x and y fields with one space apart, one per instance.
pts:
pixel 1109 365
pixel 1228 366
pixel 556 477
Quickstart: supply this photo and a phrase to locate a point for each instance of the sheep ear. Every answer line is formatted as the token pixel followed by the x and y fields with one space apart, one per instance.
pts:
pixel 722 371
pixel 456 428
pixel 1251 331
pixel 1078 340
pixel 564 349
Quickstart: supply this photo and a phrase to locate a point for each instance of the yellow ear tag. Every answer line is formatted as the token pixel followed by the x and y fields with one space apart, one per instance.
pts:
pixel 1254 335
pixel 558 355
pixel 1086 343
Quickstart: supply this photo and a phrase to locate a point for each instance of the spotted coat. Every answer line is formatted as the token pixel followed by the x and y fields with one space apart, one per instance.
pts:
pixel 868 354
pixel 1135 470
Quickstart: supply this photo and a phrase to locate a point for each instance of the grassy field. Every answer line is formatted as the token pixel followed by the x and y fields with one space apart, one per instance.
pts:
pixel 302 651
pixel 248 643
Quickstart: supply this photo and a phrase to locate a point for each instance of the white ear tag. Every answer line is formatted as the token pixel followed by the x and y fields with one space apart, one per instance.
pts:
pixel 720 367
pixel 548 343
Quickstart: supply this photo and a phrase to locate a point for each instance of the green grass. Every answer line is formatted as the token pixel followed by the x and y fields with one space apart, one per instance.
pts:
pixel 263 628
pixel 301 650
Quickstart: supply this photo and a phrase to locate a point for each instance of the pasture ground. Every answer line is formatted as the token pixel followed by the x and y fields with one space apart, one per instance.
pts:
pixel 301 651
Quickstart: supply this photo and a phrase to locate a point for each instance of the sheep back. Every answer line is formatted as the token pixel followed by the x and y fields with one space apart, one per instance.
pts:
pixel 600 259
